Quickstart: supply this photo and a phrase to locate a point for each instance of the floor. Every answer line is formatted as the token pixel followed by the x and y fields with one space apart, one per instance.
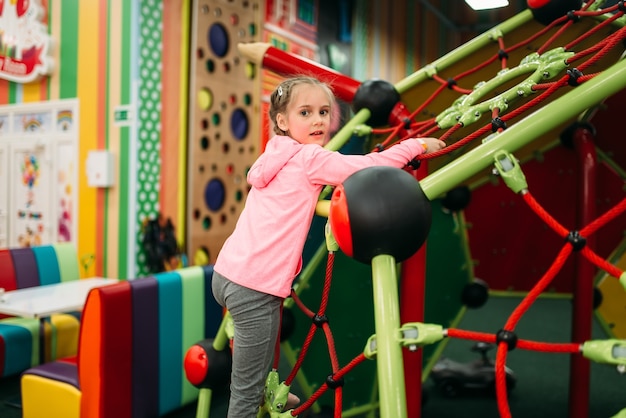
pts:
pixel 542 378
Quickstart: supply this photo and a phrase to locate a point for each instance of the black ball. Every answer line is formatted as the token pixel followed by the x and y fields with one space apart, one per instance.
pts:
pixel 380 211
pixel 475 294
pixel 457 199
pixel 547 11
pixel 380 97
pixel 598 297
pixel 206 367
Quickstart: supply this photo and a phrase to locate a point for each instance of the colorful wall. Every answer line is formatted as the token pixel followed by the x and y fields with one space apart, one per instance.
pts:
pixel 118 55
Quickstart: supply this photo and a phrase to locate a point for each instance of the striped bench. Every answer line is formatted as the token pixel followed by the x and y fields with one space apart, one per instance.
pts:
pixel 133 339
pixel 26 342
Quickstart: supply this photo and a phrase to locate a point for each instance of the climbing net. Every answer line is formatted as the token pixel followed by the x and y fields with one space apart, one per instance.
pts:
pixel 541 76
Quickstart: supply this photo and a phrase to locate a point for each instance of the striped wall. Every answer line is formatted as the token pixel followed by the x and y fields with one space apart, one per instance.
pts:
pixel 394 39
pixel 96 55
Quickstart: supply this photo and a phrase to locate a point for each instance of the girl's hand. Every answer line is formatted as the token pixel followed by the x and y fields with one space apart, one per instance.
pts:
pixel 431 144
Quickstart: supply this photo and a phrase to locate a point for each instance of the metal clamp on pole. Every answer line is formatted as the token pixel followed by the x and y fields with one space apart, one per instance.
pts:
pixel 507 166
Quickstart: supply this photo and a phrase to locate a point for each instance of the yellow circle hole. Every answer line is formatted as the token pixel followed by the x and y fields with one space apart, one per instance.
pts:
pixel 205 99
pixel 250 70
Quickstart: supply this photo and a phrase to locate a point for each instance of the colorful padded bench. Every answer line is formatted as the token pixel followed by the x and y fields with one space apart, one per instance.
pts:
pixel 133 339
pixel 25 342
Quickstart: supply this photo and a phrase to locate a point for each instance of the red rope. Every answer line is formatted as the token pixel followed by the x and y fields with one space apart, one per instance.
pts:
pixel 538 288
pixel 313 327
pixel 501 392
pixel 324 387
pixel 607 217
pixel 544 215
pixel 522 344
pixel 595 29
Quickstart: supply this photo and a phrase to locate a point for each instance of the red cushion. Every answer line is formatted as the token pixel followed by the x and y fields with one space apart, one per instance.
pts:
pixel 7 276
pixel 7 272
pixel 106 338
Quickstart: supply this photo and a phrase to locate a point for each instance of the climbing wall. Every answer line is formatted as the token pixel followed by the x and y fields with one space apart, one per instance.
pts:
pixel 224 121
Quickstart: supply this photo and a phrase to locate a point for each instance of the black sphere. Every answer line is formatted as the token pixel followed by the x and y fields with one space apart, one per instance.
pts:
pixel 475 294
pixel 457 198
pixel 379 97
pixel 218 364
pixel 382 211
pixel 598 297
pixel 547 11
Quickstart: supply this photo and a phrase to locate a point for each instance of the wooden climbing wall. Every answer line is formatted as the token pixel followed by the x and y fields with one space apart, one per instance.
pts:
pixel 224 121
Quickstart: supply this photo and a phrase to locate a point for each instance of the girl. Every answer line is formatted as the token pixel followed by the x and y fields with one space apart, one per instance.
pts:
pixel 256 266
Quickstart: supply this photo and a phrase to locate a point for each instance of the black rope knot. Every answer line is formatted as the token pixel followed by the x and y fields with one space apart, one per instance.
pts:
pixel 332 383
pixel 502 54
pixel 451 83
pixel 571 15
pixel 577 241
pixel 407 123
pixel 574 74
pixel 379 148
pixel 497 123
pixel 509 337
pixel 414 163
pixel 320 320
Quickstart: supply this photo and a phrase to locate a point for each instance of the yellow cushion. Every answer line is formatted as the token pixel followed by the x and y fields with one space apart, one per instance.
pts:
pixel 42 397
pixel 61 339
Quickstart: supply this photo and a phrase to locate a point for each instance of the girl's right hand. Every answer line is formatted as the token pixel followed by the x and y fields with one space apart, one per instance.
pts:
pixel 431 144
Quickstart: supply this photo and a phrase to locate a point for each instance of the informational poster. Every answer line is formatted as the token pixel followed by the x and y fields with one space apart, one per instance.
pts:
pixel 65 191
pixel 38 173
pixel 30 202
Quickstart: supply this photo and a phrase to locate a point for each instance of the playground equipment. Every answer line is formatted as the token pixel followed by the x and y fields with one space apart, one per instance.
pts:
pixel 487 125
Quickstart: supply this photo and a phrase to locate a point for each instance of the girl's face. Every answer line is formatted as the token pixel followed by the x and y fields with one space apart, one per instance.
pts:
pixel 307 118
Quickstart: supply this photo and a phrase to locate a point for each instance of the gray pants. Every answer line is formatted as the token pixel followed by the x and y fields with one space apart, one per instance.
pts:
pixel 256 317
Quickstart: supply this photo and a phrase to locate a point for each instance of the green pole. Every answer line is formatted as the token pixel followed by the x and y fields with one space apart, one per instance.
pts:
pixel 389 363
pixel 466 50
pixel 348 130
pixel 220 342
pixel 204 403
pixel 548 117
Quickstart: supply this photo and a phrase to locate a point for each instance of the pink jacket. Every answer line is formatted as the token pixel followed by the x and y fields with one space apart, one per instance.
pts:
pixel 264 252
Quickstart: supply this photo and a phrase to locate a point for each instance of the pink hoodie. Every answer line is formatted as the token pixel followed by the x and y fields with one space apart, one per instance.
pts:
pixel 264 252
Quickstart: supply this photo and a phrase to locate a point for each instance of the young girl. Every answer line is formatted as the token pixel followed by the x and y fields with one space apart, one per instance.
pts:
pixel 255 269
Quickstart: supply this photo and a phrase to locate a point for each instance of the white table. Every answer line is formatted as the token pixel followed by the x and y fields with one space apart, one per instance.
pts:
pixel 42 301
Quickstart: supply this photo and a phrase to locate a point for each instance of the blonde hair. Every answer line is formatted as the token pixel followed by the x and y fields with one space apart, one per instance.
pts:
pixel 282 94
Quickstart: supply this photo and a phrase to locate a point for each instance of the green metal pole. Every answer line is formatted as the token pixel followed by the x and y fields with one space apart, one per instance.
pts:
pixel 390 367
pixel 464 51
pixel 548 117
pixel 220 342
pixel 204 403
pixel 345 133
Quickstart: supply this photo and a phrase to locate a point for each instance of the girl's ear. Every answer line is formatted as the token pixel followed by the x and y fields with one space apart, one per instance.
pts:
pixel 281 122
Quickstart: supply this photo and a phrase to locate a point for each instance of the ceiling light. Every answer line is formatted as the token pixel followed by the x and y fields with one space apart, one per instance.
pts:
pixel 486 4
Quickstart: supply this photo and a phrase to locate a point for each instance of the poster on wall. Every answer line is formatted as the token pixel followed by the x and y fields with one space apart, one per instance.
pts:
pixel 39 177
pixel 24 41
pixel 30 206
pixel 32 123
pixel 66 173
